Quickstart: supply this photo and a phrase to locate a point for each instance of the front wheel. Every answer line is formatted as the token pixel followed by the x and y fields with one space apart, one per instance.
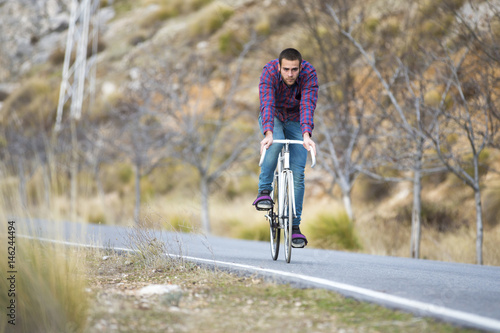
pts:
pixel 288 215
pixel 274 233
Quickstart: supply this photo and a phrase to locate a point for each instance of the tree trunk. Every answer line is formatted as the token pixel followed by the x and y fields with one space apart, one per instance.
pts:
pixel 137 208
pixel 205 218
pixel 416 215
pixel 416 223
pixel 346 197
pixel 479 227
pixel 479 210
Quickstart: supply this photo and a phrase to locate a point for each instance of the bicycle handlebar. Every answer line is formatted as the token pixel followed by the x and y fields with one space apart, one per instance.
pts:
pixel 299 142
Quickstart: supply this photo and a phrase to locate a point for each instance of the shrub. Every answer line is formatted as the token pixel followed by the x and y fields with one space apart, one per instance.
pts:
pixel 432 98
pixel 230 44
pixel 374 190
pixel 57 56
pixel 97 217
pixel 161 14
pixel 263 27
pixel 125 173
pixel 432 29
pixel 122 6
pixel 333 232
pixel 217 19
pixel 391 27
pixel 212 21
pixel 197 4
pixel 371 24
pixel 33 105
pixel 180 223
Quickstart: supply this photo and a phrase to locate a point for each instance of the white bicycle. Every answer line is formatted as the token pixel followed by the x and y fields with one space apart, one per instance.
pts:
pixel 281 214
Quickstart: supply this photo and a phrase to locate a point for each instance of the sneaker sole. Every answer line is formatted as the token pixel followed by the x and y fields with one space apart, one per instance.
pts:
pixel 263 207
pixel 299 246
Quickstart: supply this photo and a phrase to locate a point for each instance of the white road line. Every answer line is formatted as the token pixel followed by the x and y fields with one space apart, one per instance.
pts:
pixel 487 323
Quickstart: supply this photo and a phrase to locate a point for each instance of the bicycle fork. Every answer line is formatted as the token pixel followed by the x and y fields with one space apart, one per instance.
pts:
pixel 286 179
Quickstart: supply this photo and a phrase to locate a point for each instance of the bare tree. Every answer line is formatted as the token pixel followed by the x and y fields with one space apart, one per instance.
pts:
pixel 209 126
pixel 406 118
pixel 345 129
pixel 142 134
pixel 463 124
pixel 467 117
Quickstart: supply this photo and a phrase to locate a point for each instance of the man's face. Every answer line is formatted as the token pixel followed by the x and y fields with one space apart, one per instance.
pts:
pixel 289 70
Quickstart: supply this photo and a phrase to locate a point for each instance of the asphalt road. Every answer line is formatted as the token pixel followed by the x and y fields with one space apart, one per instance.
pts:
pixel 463 294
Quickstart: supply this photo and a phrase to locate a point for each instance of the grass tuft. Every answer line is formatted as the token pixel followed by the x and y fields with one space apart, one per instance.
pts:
pixel 150 250
pixel 49 288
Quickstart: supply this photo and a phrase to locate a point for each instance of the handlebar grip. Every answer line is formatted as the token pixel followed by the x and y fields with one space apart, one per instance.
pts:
pixel 262 157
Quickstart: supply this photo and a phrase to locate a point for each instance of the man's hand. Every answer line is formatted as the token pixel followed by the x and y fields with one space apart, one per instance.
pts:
pixel 309 143
pixel 266 142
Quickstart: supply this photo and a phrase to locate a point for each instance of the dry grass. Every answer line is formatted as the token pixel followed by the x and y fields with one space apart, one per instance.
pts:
pixel 206 300
pixel 50 286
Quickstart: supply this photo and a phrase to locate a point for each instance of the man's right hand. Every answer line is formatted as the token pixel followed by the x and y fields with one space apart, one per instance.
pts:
pixel 266 142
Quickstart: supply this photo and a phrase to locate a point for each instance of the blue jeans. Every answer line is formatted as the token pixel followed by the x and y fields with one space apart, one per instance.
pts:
pixel 298 155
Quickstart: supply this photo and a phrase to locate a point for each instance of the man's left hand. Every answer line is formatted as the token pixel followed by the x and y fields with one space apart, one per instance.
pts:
pixel 309 143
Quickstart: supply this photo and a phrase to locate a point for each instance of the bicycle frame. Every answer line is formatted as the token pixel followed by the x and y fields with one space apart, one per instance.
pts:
pixel 283 177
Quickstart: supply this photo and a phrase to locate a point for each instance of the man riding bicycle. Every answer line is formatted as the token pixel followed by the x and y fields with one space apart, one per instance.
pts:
pixel 288 92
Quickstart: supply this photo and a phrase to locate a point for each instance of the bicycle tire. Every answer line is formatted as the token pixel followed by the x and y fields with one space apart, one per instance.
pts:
pixel 274 231
pixel 288 216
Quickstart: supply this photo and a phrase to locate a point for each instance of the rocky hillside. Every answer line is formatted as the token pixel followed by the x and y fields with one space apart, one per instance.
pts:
pixel 30 32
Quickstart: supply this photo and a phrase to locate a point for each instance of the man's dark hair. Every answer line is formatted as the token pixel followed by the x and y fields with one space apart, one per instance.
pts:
pixel 291 54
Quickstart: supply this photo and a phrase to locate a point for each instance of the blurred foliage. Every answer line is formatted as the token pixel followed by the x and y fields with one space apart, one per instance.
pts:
pixel 180 223
pixel 230 43
pixel 259 232
pixel 372 190
pixel 97 217
pixel 491 205
pixel 212 20
pixel 439 216
pixel 333 231
pixel 31 107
